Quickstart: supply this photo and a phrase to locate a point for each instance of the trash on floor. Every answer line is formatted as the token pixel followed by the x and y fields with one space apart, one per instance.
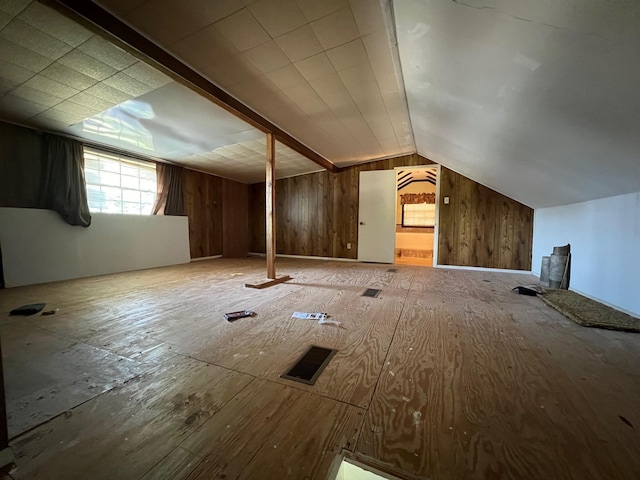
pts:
pixel 309 316
pixel 321 317
pixel 232 316
pixel 50 312
pixel 531 290
pixel 31 309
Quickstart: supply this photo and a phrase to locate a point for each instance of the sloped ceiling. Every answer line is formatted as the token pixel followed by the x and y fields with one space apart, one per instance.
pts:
pixel 539 100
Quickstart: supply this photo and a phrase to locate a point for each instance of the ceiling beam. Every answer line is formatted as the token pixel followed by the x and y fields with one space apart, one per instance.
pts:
pixel 103 23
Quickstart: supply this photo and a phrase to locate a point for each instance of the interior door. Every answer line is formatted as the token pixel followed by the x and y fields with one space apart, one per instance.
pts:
pixel 376 216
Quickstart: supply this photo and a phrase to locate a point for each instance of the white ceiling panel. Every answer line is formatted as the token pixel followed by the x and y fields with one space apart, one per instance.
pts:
pixel 278 17
pixel 246 161
pixel 336 29
pixel 291 60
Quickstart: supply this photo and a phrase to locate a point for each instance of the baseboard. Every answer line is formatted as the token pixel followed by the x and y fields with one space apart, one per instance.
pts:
pixel 304 257
pixel 483 269
pixel 205 258
pixel 599 300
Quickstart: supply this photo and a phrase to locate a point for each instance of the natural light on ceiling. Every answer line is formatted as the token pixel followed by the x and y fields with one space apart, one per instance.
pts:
pixel 123 122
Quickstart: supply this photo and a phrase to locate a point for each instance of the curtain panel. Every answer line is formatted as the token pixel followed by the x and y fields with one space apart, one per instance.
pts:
pixel 170 197
pixel 43 171
pixel 63 188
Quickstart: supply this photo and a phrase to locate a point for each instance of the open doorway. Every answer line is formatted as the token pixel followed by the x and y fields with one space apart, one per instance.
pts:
pixel 416 215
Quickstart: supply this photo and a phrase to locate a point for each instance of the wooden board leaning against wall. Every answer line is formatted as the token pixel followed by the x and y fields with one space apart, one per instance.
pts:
pixel 317 215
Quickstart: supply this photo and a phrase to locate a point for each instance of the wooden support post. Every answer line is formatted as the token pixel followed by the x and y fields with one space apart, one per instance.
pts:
pixel 270 213
pixel 270 203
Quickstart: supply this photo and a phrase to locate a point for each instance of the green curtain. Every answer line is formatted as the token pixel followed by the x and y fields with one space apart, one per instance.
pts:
pixel 43 171
pixel 62 186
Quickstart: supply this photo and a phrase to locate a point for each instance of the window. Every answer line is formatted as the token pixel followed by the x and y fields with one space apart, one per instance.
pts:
pixel 418 215
pixel 119 185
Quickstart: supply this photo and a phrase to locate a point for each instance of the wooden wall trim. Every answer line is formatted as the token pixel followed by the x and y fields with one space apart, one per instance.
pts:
pixel 103 23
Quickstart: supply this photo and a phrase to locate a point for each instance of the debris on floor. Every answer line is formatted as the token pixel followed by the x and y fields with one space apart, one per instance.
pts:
pixel 531 290
pixel 232 316
pixel 31 309
pixel 321 317
pixel 309 316
pixel 50 312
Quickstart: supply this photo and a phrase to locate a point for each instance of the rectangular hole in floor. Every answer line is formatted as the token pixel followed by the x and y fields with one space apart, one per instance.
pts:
pixel 309 367
pixel 371 292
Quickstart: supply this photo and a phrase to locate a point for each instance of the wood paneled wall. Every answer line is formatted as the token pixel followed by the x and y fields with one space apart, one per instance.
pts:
pixel 203 205
pixel 481 227
pixel 218 210
pixel 317 214
pixel 235 222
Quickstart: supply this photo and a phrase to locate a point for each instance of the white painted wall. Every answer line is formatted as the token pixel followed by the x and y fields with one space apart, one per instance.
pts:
pixel 605 246
pixel 38 246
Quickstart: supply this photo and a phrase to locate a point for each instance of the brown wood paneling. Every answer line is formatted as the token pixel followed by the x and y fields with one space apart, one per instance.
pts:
pixel 235 218
pixel 203 205
pixel 257 227
pixel 481 227
pixel 318 215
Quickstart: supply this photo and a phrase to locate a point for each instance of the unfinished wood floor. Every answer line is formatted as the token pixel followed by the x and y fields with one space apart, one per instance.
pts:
pixel 446 375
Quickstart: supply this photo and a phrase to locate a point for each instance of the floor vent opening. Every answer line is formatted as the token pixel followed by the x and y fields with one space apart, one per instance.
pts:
pixel 392 270
pixel 371 292
pixel 354 466
pixel 309 367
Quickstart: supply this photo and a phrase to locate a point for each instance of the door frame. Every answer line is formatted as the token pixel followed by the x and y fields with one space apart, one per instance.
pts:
pixel 436 227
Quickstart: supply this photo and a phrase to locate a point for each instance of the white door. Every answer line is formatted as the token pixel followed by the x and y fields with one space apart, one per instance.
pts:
pixel 376 216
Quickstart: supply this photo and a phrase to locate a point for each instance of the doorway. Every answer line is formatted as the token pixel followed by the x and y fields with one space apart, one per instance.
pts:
pixel 416 215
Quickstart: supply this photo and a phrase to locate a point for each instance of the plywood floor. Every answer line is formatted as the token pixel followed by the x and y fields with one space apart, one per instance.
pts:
pixel 446 375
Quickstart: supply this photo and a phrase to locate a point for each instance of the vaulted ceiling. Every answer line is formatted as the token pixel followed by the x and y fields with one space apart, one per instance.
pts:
pixel 538 100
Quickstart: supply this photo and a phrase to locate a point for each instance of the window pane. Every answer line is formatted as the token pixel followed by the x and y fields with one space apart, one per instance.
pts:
pixel 131 208
pixel 131 195
pixel 147 174
pixel 117 185
pixel 109 165
pixel 419 215
pixel 112 207
pixel 91 176
pixel 107 178
pixel 148 185
pixel 148 197
pixel 146 208
pixel 130 182
pixel 91 162
pixel 129 170
pixel 112 193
